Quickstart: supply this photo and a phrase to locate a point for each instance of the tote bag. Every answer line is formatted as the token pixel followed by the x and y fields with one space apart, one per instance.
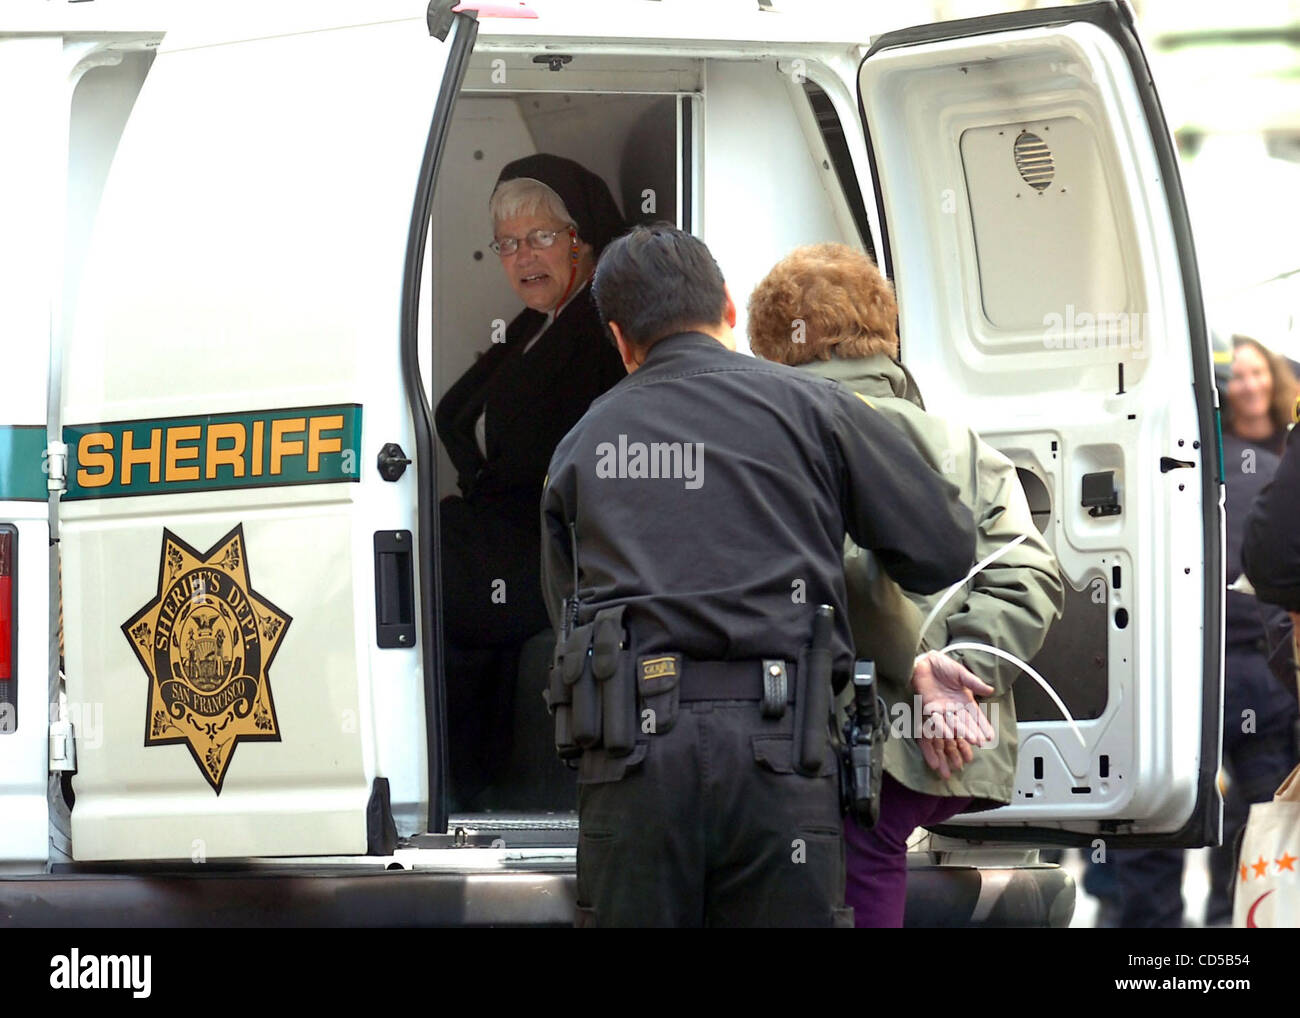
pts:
pixel 1268 870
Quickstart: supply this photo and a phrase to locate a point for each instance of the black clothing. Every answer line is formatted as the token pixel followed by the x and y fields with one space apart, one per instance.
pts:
pixel 1259 712
pixel 528 397
pixel 1275 444
pixel 584 194
pixel 710 493
pixel 480 707
pixel 489 537
pixel 1247 469
pixel 682 840
pixel 1259 717
pixel 1255 628
pixel 1272 540
pixel 490 544
pixel 532 399
pixel 491 584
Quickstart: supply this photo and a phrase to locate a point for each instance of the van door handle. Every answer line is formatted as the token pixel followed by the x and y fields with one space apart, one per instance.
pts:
pixel 394 589
pixel 1100 496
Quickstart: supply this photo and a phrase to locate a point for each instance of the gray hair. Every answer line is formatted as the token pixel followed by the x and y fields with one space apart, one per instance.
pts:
pixel 524 196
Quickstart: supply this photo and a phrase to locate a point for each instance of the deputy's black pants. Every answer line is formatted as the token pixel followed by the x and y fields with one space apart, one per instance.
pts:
pixel 711 827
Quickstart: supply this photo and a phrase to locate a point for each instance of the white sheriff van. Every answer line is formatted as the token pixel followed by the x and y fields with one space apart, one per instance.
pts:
pixel 245 250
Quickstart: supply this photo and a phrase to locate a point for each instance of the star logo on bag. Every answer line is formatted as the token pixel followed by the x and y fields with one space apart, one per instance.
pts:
pixel 1260 868
pixel 1245 871
pixel 1287 862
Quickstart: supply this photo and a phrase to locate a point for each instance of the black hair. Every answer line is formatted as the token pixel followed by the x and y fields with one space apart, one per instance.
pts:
pixel 656 281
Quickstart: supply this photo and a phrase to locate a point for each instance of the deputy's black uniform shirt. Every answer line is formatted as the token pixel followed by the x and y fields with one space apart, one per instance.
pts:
pixel 721 546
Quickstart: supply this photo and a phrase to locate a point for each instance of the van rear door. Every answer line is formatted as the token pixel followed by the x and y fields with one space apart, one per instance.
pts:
pixel 246 559
pixel 1035 229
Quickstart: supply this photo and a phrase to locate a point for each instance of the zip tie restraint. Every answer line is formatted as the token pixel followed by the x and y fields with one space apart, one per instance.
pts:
pixel 1008 656
pixel 997 651
pixel 947 594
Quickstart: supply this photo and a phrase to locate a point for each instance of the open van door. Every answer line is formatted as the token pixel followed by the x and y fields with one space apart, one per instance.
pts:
pixel 246 550
pixel 1035 229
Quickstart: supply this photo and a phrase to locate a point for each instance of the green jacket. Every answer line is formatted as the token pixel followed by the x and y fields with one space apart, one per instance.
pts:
pixel 1009 604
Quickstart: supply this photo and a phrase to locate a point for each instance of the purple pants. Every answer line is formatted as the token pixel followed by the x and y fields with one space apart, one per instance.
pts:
pixel 875 861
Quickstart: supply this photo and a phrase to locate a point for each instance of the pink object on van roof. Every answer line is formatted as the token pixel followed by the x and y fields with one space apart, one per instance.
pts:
pixel 498 10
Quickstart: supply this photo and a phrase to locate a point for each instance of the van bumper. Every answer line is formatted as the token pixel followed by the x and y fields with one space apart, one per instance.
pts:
pixel 278 899
pixel 937 896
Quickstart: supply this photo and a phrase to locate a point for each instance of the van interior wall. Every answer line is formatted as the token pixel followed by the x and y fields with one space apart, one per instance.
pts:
pixel 613 135
pixel 767 181
pixel 760 193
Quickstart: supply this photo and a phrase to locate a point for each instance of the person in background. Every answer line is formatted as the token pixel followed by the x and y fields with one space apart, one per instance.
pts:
pixel 846 310
pixel 1271 546
pixel 1259 713
pixel 1261 392
pixel 500 423
pixel 1260 395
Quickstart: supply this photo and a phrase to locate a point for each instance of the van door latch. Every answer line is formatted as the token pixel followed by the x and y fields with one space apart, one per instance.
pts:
pixel 392 461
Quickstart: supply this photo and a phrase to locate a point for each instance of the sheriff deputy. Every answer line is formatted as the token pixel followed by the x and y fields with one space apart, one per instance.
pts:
pixel 685 676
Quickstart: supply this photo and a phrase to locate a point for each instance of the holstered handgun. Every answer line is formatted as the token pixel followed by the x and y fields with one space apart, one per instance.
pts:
pixel 813 700
pixel 863 749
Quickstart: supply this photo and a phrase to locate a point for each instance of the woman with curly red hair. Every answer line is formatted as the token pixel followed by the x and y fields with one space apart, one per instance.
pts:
pixel 828 308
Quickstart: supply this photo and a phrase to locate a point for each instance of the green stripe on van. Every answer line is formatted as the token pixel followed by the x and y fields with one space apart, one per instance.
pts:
pixel 22 452
pixel 213 452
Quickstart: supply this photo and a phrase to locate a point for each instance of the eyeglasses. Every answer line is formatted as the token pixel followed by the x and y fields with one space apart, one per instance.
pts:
pixel 537 240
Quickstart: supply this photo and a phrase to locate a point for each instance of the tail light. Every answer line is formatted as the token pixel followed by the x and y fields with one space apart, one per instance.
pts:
pixel 8 631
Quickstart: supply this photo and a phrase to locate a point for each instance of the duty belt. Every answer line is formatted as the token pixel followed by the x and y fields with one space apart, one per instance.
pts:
pixel 771 681
pixel 604 695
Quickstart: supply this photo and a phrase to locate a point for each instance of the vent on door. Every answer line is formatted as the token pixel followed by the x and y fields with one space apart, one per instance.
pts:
pixel 1034 160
